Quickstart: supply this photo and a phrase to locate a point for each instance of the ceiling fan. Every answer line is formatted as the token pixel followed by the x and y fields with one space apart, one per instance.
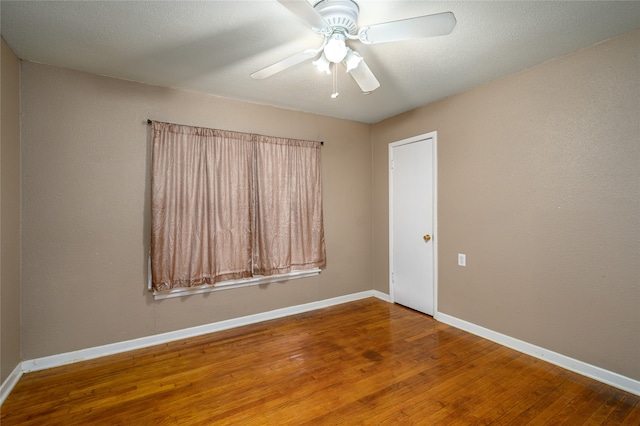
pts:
pixel 336 21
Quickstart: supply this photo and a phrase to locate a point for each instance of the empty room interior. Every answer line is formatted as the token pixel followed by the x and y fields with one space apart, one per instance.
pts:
pixel 533 112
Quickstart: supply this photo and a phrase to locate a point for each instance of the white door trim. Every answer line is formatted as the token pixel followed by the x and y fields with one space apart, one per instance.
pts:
pixel 434 136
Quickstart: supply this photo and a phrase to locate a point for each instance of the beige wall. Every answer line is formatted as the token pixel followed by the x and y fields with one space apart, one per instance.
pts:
pixel 86 209
pixel 9 213
pixel 539 184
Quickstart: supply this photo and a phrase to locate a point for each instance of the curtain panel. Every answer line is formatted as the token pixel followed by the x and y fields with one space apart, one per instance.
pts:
pixel 289 231
pixel 229 205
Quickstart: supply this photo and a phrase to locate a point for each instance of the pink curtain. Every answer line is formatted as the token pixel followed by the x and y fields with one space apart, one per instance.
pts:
pixel 226 205
pixel 289 231
pixel 201 205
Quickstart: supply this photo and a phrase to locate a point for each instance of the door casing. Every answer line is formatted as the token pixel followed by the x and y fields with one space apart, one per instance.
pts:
pixel 434 205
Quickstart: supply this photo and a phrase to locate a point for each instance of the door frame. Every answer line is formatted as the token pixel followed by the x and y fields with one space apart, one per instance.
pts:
pixel 434 208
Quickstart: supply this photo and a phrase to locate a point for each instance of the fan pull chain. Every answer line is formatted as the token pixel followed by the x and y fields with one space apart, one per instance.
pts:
pixel 335 93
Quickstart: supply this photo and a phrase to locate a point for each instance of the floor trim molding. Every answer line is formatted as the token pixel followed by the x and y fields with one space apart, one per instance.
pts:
pixel 114 348
pixel 7 386
pixel 382 296
pixel 614 379
pixel 600 374
pixel 157 339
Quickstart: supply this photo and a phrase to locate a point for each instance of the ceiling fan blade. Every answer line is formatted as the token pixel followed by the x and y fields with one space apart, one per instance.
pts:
pixel 421 26
pixel 284 64
pixel 364 77
pixel 303 10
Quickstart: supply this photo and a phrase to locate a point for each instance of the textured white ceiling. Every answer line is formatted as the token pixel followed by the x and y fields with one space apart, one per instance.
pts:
pixel 213 46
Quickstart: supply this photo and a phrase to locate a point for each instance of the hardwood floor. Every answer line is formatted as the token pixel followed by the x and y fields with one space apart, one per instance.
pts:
pixel 366 362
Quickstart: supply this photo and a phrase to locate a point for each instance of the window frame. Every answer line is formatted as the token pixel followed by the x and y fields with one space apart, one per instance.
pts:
pixel 227 285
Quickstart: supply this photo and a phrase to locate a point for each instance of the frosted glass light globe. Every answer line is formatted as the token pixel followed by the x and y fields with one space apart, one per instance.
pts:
pixel 336 49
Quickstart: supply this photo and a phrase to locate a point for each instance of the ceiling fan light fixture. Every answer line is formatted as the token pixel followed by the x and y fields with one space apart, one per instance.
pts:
pixel 352 60
pixel 322 64
pixel 336 22
pixel 336 49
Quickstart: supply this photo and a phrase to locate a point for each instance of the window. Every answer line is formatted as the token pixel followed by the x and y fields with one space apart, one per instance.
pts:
pixel 228 206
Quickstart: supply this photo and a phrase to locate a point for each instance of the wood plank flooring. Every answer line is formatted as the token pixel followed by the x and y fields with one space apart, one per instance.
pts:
pixel 361 363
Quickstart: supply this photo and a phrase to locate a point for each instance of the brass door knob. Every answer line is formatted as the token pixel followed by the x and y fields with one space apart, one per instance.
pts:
pixel 427 237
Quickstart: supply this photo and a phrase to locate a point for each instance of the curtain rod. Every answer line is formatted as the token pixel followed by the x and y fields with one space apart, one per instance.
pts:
pixel 149 121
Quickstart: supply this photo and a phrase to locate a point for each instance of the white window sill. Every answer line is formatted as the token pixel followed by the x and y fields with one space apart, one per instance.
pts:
pixel 227 285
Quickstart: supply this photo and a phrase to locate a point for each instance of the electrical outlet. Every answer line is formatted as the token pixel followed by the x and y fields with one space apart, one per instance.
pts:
pixel 462 259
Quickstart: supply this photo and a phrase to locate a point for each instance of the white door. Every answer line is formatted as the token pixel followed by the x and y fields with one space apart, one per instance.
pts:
pixel 411 228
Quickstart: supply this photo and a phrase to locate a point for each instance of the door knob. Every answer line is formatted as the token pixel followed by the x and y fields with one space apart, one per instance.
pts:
pixel 427 237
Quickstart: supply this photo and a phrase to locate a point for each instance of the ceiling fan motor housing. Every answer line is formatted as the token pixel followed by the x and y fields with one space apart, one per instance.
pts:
pixel 340 14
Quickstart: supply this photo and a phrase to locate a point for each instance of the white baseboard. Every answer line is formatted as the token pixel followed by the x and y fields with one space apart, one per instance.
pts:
pixel 7 386
pixel 600 374
pixel 143 342
pixel 382 296
pixel 597 373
